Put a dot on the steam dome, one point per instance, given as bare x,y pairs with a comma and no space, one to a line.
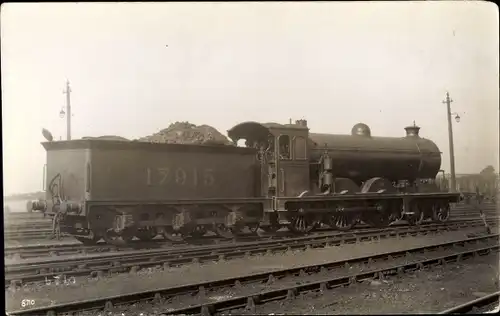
361,129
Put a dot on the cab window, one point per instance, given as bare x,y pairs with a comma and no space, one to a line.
284,147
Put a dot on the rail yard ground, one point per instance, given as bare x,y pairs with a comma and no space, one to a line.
150,279
425,291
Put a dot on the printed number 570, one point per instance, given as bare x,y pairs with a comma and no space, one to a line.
26,303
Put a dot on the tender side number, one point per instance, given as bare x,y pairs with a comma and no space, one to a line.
179,176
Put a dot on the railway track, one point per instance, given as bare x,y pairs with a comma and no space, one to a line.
487,303
93,266
76,248
34,226
245,293
49,250
29,225
28,234
23,216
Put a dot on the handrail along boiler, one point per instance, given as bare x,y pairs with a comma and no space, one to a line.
286,177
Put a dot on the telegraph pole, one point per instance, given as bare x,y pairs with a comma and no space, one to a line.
448,101
68,110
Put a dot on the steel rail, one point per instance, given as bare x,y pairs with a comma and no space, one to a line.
468,307
44,234
26,251
27,226
95,266
28,235
250,300
43,230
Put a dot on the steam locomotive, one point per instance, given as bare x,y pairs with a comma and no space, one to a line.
283,177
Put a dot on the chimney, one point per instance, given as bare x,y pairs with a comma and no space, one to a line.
412,131
302,123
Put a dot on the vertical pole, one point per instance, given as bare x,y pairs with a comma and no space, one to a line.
68,110
448,101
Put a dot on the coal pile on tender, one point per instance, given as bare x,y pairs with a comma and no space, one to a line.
187,133
108,137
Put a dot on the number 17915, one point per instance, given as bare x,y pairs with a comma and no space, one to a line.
179,176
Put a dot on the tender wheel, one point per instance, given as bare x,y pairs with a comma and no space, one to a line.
86,241
117,239
300,224
342,221
441,213
274,224
92,240
170,234
198,232
223,231
146,234
253,228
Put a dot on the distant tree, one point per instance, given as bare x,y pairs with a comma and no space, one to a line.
488,171
24,196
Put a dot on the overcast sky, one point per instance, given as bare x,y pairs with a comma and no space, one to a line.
334,64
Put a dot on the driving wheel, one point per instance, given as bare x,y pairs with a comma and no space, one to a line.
418,215
301,224
342,221
441,213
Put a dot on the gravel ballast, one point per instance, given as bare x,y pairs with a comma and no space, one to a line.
427,291
150,279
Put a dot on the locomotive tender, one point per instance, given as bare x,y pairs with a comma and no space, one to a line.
285,176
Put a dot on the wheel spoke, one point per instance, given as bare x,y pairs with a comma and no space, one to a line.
301,225
145,235
441,213
116,240
198,232
342,221
253,228
172,235
223,231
